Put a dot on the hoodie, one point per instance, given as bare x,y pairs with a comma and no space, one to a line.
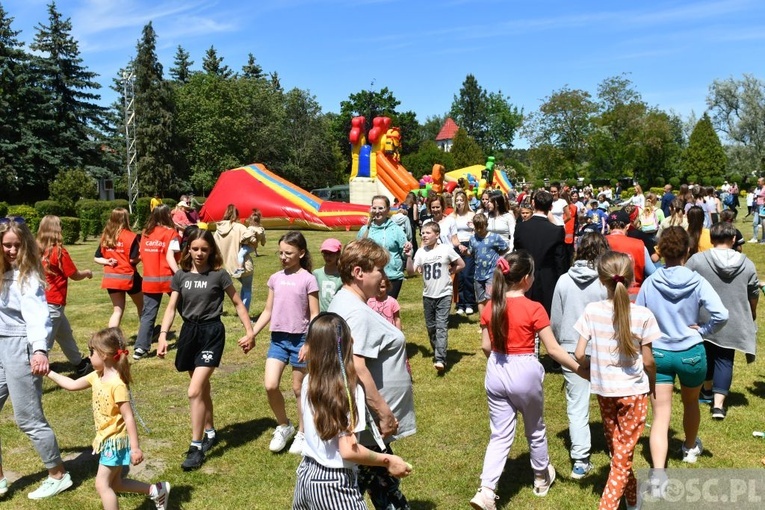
391,237
675,295
574,290
228,236
734,277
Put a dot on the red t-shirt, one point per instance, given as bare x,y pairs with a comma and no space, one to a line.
525,318
59,268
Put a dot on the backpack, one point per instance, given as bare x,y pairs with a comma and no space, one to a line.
728,199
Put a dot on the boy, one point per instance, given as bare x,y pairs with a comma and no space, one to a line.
486,248
328,277
437,263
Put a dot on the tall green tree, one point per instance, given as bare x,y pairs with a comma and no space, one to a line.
466,151
469,108
704,159
154,111
213,64
252,69
421,162
181,70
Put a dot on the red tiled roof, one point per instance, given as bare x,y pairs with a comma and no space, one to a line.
448,130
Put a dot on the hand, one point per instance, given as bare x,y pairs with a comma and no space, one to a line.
161,346
40,364
303,353
113,262
247,343
136,456
583,372
398,467
694,326
388,425
88,274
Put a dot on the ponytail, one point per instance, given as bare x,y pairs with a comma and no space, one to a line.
616,274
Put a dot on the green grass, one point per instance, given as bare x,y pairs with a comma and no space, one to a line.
447,451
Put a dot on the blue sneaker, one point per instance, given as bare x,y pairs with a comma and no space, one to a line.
581,469
706,396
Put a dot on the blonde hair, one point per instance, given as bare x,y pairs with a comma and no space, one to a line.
111,344
118,221
615,273
28,257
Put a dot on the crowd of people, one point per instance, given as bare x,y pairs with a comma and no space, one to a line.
625,298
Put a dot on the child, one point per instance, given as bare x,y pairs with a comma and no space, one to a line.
199,288
328,277
514,374
333,411
436,262
293,300
116,433
59,268
622,371
254,235
486,248
386,305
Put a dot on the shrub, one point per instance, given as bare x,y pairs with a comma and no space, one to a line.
141,212
94,213
675,182
71,185
3,209
70,229
28,213
53,207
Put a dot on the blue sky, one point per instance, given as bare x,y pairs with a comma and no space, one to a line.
422,49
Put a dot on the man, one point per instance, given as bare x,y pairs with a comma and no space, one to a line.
759,201
666,200
559,209
544,241
642,265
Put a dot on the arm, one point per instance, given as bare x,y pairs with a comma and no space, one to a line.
136,455
68,383
557,352
457,266
649,365
397,320
352,451
81,275
485,341
167,323
579,353
313,307
265,317
718,314
170,258
247,342
753,306
650,268
388,422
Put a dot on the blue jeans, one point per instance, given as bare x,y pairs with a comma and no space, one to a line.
466,296
151,303
578,410
436,322
246,292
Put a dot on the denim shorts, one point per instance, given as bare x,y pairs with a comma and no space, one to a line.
690,366
482,291
113,457
285,348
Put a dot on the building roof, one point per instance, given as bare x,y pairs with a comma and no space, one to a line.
448,130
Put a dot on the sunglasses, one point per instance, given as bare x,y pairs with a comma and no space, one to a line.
15,219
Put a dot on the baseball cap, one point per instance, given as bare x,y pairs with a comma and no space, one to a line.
620,216
331,245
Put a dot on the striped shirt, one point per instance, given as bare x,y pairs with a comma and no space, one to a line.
611,375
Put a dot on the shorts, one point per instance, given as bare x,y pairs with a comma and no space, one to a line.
114,457
200,344
134,289
482,291
285,348
689,365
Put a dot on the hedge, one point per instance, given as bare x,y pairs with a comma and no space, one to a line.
52,207
93,214
70,229
28,213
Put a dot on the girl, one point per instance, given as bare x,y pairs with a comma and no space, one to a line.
331,400
514,374
386,305
59,268
463,217
501,220
676,217
254,235
699,234
24,331
199,287
119,253
622,371
116,433
159,245
293,300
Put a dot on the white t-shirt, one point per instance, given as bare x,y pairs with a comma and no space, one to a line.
448,229
327,453
558,208
435,264
504,226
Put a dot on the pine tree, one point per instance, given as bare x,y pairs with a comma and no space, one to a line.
154,109
704,159
74,120
212,64
181,71
252,70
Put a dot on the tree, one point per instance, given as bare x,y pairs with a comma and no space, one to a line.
154,110
181,70
421,162
704,160
213,64
252,70
72,185
466,151
469,108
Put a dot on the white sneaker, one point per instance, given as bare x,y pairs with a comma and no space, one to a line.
3,486
162,494
460,311
282,435
51,487
484,500
469,310
690,455
753,240
297,445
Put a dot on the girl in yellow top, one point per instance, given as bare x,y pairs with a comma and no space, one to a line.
116,433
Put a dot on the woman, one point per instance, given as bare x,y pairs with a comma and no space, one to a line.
637,199
651,216
501,221
228,236
463,217
385,232
158,246
437,210
379,354
699,235
675,295
714,206
413,212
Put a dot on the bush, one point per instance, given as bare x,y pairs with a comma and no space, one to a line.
71,185
93,214
53,207
141,212
28,213
3,209
70,229
675,182
657,191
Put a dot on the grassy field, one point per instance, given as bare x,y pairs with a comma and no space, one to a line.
447,451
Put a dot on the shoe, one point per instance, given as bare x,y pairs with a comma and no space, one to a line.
440,366
753,240
194,459
542,487
238,272
718,413
706,396
581,469
483,500
51,487
297,444
460,311
163,495
208,442
3,486
282,435
637,505
84,368
140,353
690,455
469,310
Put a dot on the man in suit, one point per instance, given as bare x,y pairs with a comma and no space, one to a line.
545,242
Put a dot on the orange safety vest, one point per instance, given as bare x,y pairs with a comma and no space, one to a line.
636,251
119,277
568,227
156,271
